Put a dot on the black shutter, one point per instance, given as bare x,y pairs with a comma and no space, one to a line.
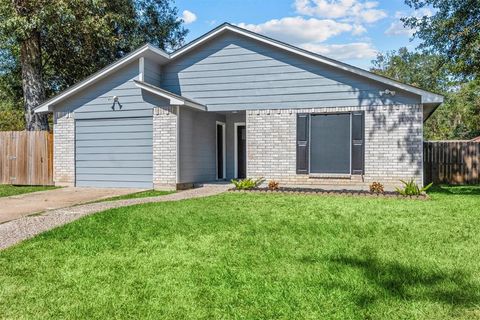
358,142
302,143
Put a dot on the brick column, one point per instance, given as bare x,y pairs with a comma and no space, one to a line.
64,149
165,148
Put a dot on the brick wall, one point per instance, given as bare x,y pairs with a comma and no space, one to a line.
393,145
64,149
164,148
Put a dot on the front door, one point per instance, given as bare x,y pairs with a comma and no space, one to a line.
241,152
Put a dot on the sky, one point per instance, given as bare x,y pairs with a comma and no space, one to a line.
352,31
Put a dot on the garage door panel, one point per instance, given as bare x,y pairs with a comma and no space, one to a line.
113,184
114,129
115,136
117,164
145,171
116,177
115,157
113,150
115,122
114,143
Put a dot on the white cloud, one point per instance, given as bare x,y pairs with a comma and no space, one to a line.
298,30
188,16
351,10
355,50
397,28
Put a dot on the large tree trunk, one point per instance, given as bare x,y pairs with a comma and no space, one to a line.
32,81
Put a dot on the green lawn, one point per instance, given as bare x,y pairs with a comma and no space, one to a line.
255,256
142,194
9,190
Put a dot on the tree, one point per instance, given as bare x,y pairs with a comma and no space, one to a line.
56,43
459,116
417,69
453,32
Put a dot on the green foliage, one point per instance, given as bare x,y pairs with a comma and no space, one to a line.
459,116
246,184
410,188
453,32
11,119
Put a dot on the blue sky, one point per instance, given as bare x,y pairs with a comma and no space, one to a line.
351,31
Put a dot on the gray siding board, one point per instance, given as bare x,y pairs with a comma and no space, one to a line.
152,73
119,149
235,73
198,145
113,184
127,144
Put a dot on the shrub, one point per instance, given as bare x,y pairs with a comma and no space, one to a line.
376,187
273,185
410,188
246,184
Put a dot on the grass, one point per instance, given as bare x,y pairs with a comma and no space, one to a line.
142,194
10,190
255,256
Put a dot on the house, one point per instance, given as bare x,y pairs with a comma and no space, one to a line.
235,104
476,139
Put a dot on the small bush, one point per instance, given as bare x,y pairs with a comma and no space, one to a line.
410,188
273,185
246,184
376,187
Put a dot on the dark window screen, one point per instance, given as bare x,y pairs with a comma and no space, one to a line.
330,143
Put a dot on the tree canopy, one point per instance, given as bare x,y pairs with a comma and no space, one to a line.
77,38
452,31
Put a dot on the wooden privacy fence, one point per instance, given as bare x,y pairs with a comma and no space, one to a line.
452,162
26,157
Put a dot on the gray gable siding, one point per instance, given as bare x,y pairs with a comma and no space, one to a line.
96,101
152,73
235,73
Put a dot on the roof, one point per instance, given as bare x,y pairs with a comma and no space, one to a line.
427,98
174,98
477,139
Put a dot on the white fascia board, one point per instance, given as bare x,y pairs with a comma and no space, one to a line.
45,107
427,97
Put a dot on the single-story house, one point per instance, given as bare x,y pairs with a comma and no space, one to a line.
234,104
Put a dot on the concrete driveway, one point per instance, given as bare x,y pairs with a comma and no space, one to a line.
15,207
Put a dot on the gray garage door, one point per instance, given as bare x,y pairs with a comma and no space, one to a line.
114,152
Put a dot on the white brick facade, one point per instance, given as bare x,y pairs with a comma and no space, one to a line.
393,145
64,149
164,148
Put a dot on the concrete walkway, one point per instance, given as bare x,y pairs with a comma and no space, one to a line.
26,227
18,206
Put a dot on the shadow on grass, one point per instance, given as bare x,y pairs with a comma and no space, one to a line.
464,190
394,280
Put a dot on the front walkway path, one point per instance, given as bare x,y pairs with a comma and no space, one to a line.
18,230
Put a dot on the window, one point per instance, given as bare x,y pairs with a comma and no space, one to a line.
330,143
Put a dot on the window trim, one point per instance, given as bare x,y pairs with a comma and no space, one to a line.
327,174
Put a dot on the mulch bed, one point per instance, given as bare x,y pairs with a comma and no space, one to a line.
353,193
